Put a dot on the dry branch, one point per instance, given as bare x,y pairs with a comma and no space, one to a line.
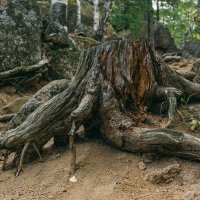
22,70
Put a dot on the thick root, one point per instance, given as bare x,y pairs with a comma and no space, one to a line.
166,142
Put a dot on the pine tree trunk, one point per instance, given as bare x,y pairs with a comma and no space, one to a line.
101,28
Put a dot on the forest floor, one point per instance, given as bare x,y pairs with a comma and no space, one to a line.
104,172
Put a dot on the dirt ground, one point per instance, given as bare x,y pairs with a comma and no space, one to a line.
104,172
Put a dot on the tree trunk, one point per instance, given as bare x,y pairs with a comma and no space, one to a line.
157,11
96,14
101,28
148,32
115,85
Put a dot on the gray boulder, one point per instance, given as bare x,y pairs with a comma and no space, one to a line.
164,42
20,31
196,70
192,48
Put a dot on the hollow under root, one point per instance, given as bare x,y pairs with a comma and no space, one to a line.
20,160
5,158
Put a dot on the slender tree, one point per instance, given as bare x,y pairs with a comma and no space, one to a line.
101,28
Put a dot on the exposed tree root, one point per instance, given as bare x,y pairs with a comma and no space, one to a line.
22,70
46,93
6,118
72,147
114,87
163,141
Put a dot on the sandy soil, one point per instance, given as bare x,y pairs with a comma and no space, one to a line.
104,173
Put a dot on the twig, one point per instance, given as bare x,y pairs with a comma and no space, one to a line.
23,69
72,147
20,166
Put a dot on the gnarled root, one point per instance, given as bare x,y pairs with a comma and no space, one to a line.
79,115
171,94
162,141
115,84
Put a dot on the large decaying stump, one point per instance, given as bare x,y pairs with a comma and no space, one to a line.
114,87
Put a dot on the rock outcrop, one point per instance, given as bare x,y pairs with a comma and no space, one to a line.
192,48
196,70
164,42
20,33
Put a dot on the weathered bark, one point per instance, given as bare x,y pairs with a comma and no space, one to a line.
111,93
42,96
187,74
96,14
148,29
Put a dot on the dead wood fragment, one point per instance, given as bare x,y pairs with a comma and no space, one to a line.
22,70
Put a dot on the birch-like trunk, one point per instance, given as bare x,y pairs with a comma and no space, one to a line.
78,13
101,28
96,14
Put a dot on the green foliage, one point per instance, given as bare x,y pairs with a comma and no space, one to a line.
178,16
127,14
72,1
194,124
185,99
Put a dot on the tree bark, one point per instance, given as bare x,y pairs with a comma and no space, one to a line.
101,28
148,29
114,87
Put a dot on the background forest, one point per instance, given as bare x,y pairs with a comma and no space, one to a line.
180,16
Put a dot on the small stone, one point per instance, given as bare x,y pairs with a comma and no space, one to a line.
190,195
165,175
73,179
50,196
142,166
58,155
64,190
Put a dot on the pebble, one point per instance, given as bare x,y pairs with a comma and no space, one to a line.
141,166
190,195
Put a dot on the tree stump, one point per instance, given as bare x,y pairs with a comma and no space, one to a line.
114,88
